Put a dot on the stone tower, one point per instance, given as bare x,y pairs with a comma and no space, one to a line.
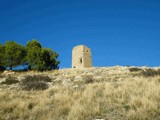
81,57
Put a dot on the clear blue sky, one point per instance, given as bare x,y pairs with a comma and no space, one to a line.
119,32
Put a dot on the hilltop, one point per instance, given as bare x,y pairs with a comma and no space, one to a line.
106,93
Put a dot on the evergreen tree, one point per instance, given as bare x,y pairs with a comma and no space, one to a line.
34,56
40,58
50,59
2,57
14,54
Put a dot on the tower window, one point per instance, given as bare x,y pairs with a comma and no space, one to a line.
80,60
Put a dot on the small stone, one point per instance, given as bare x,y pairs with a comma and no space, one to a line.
99,119
67,82
8,73
50,84
2,80
20,78
97,77
76,86
78,78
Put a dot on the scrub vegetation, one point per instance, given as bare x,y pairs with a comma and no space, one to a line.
115,93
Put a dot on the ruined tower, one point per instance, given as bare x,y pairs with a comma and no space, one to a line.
81,57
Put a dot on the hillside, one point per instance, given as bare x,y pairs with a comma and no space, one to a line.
100,93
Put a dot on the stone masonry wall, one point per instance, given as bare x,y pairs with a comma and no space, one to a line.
81,57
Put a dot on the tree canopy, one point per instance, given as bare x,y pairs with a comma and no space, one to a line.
40,58
14,54
2,55
33,54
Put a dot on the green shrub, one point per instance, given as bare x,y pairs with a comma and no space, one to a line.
158,71
1,76
88,79
39,85
10,80
37,78
145,72
134,69
35,82
151,72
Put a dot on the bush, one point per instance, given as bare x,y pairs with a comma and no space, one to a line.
134,69
145,72
151,72
1,76
35,82
40,85
37,78
158,71
10,80
88,79
2,68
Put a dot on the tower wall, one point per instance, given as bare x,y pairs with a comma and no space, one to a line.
81,57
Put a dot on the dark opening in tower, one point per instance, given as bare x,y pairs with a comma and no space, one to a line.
80,60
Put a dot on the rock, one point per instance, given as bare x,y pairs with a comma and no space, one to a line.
99,119
97,77
49,84
8,73
58,79
90,73
76,86
78,78
21,77
67,82
2,80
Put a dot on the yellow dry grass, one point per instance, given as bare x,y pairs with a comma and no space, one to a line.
133,98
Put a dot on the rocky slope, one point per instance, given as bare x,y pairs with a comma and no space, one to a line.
100,93
77,77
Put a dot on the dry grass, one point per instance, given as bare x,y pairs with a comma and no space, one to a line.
133,98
